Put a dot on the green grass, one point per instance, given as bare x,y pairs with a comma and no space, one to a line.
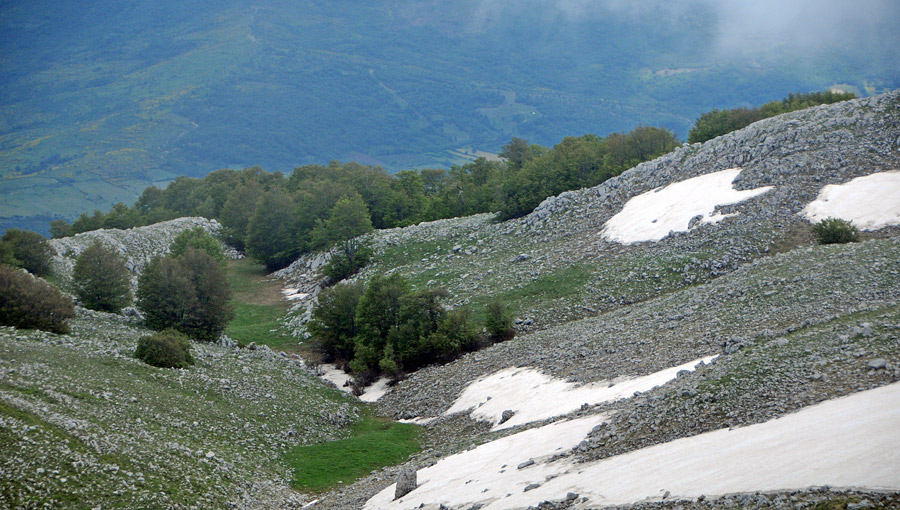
258,307
260,324
374,443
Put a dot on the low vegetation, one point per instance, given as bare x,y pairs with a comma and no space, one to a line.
199,239
165,349
386,327
347,260
258,307
26,249
835,231
374,443
27,302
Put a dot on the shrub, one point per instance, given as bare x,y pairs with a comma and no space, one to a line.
835,231
101,280
188,293
165,349
347,261
30,250
498,322
27,302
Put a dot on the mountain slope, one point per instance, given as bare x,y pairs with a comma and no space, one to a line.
793,323
555,265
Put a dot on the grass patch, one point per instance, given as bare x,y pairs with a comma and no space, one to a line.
374,443
258,307
563,284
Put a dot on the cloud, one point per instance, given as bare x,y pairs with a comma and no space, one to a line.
738,27
758,26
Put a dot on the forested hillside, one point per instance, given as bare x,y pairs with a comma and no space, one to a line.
101,99
276,218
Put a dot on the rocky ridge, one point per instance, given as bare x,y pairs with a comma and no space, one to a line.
136,245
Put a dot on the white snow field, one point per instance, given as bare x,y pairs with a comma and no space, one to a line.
652,215
870,202
534,396
853,441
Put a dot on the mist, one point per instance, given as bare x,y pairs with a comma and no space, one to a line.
740,28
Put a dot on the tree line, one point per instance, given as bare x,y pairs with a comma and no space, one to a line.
274,218
719,122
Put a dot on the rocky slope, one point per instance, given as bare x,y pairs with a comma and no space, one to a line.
83,424
795,323
560,245
136,245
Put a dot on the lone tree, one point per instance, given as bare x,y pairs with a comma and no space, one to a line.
188,293
29,249
101,280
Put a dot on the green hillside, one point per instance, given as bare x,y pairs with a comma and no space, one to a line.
100,100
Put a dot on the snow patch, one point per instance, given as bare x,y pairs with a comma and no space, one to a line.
292,294
490,471
335,375
651,216
341,379
870,202
375,391
853,441
534,396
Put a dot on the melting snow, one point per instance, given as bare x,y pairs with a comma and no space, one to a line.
853,441
869,202
535,396
340,378
292,294
652,215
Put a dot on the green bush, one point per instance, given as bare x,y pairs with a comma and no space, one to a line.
165,349
333,325
189,293
498,322
27,302
719,122
199,239
347,261
101,280
835,231
29,249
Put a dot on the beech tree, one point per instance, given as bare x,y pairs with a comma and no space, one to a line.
29,250
188,293
101,280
